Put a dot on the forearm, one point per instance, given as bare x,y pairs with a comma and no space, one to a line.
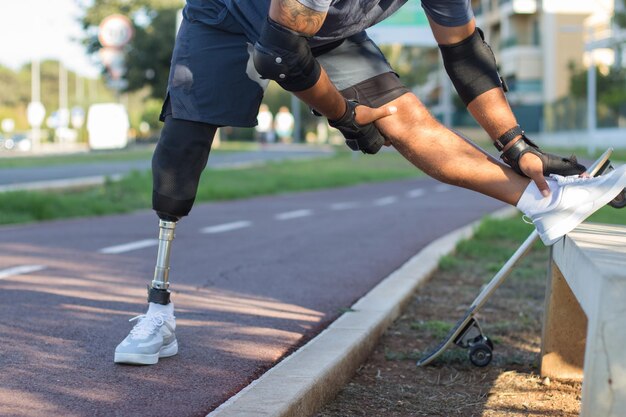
492,111
324,98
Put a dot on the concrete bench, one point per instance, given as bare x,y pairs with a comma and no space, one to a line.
584,330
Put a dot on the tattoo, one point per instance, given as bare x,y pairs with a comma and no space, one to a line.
298,17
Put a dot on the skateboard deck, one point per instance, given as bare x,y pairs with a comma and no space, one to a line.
467,332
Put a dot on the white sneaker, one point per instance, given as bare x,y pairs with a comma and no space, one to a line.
152,338
575,199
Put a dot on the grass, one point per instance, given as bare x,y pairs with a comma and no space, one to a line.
436,328
135,153
135,190
495,240
481,256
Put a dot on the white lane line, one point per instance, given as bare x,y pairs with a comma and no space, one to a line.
127,247
20,270
344,206
293,214
418,192
385,201
226,227
443,188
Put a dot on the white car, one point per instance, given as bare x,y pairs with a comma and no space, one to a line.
17,142
107,126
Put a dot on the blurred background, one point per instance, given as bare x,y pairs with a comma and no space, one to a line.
91,74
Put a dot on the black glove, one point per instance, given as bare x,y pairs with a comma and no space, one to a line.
552,164
364,138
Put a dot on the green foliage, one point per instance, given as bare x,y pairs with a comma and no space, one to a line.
609,215
436,328
448,263
148,54
134,191
16,91
112,197
611,92
412,63
619,15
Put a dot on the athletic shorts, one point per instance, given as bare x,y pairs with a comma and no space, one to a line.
213,80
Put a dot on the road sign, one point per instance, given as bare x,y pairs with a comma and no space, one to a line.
115,31
114,61
35,113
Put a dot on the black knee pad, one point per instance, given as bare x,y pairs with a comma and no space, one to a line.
471,66
179,158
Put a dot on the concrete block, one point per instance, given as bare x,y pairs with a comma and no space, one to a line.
591,262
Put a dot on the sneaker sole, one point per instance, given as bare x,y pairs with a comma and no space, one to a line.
146,359
555,233
169,350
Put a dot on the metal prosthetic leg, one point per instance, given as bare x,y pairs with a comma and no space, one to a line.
158,291
177,163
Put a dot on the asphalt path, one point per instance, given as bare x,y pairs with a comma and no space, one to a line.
252,281
12,176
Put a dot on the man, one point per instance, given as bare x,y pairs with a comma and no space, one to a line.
283,124
227,51
265,125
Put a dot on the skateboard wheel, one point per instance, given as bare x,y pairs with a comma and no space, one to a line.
480,354
619,201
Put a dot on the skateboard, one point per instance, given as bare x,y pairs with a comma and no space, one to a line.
467,332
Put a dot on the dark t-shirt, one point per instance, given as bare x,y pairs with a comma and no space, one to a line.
344,17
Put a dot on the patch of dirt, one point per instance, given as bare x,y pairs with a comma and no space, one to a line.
390,384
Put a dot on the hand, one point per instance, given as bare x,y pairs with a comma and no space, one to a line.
365,115
532,166
373,114
357,126
525,157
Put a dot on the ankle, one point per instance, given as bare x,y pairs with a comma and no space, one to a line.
532,201
155,308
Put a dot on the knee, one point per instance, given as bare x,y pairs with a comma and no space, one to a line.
411,121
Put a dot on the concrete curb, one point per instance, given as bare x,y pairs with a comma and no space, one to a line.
301,383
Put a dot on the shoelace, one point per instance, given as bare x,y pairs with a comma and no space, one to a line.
571,179
527,219
148,324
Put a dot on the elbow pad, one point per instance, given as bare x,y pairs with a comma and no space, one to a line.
471,66
285,56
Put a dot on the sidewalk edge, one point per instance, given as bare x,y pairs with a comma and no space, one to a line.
302,382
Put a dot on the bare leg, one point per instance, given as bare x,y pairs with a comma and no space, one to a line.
445,156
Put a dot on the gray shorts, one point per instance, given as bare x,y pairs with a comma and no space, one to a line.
213,80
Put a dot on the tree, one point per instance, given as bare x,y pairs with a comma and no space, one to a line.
611,92
148,54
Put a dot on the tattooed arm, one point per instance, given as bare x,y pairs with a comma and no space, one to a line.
292,14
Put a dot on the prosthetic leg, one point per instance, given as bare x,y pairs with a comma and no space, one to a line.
178,161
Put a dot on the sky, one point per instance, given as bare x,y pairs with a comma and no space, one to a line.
44,28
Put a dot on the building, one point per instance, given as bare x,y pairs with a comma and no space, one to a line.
537,43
